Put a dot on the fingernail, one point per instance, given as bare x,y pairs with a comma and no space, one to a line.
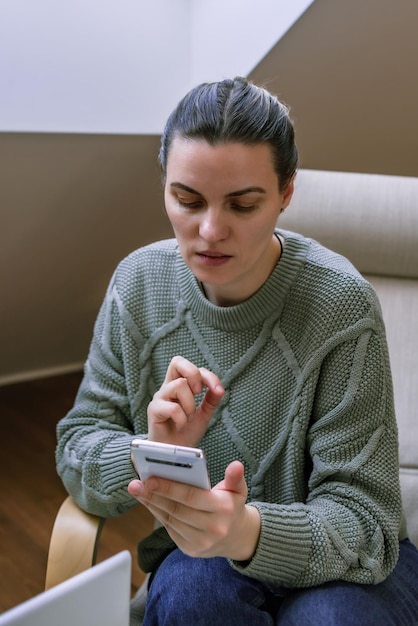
137,489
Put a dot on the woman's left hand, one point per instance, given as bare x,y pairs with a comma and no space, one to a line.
204,523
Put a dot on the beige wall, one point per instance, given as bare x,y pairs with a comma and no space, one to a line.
71,206
348,68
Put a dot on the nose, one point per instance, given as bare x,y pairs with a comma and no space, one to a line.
213,225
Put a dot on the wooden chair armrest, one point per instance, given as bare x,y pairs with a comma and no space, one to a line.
73,545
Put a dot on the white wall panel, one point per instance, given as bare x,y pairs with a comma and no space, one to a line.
120,66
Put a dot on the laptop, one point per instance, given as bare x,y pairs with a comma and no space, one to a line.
99,596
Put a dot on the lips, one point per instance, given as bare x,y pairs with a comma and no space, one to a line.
212,257
212,253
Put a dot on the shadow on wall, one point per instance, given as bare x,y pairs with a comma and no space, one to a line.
72,206
345,69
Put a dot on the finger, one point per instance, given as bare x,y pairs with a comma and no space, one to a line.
174,399
182,368
186,526
157,504
136,488
213,395
211,381
234,479
210,402
188,538
171,513
188,496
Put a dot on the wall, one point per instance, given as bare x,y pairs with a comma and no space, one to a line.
100,66
94,66
71,206
348,70
228,37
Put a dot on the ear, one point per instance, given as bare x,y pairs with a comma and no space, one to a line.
288,192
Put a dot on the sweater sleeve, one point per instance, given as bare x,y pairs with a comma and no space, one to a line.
93,449
347,528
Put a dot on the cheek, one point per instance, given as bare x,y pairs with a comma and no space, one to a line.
181,224
258,233
172,213
256,239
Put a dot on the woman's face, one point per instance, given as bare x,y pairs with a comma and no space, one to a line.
223,202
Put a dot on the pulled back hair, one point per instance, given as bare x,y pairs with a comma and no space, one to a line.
234,111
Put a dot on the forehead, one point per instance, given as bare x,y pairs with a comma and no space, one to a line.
196,158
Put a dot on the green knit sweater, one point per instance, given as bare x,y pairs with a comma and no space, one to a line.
308,407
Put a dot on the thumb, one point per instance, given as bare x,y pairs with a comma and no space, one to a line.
234,479
212,397
209,403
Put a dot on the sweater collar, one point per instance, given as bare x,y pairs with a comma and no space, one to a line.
266,301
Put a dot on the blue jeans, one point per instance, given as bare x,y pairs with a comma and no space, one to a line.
186,590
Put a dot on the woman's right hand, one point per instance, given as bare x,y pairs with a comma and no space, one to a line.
173,416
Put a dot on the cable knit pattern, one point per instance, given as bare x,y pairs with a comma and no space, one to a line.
308,407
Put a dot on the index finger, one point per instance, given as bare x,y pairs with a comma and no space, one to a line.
158,489
197,377
182,368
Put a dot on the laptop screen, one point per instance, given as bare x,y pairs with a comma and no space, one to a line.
99,596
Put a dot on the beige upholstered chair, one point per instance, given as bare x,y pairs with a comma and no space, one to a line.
372,220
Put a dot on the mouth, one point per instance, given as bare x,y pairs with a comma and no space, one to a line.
213,258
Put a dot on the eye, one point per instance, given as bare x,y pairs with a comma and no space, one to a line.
243,208
189,202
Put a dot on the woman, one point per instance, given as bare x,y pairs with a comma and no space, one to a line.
268,351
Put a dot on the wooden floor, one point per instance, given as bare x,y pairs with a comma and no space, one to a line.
31,492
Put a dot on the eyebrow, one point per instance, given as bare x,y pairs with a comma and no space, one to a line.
233,194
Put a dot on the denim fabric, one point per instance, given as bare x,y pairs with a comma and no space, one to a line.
186,590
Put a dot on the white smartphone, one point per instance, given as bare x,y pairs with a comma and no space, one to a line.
178,463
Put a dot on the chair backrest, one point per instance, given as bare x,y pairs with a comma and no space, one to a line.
99,596
373,220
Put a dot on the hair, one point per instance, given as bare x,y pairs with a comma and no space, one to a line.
234,111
